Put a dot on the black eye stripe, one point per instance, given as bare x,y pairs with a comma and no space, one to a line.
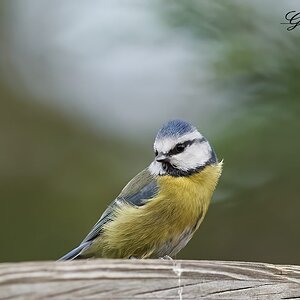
185,144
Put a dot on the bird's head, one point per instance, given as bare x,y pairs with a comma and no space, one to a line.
181,150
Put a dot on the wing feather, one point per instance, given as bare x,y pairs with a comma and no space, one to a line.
142,188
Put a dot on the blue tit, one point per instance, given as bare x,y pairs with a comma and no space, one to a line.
158,211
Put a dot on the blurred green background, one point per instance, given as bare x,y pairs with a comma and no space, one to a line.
85,85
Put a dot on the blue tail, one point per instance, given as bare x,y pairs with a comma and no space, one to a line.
74,253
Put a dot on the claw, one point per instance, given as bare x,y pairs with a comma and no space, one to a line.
166,257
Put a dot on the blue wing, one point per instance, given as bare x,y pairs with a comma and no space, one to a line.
142,188
137,192
75,252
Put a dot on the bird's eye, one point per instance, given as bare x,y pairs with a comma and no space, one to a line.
156,152
179,148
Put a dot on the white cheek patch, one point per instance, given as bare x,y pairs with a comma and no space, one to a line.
166,144
192,157
195,155
155,168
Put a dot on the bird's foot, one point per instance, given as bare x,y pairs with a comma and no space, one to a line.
166,257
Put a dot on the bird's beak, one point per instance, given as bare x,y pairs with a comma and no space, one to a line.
162,158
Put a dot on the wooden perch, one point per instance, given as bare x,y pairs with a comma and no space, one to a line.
148,279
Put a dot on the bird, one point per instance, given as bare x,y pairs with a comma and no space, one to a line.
159,210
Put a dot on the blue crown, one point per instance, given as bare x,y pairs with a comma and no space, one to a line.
175,128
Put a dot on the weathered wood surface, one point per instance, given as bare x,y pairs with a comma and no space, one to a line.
148,279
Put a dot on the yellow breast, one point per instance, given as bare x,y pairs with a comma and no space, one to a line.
181,204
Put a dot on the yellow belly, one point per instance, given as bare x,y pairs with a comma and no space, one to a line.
159,226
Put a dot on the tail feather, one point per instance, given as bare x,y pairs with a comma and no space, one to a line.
74,253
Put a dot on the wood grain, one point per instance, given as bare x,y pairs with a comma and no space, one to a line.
148,279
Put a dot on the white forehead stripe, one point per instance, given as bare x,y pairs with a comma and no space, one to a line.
168,143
